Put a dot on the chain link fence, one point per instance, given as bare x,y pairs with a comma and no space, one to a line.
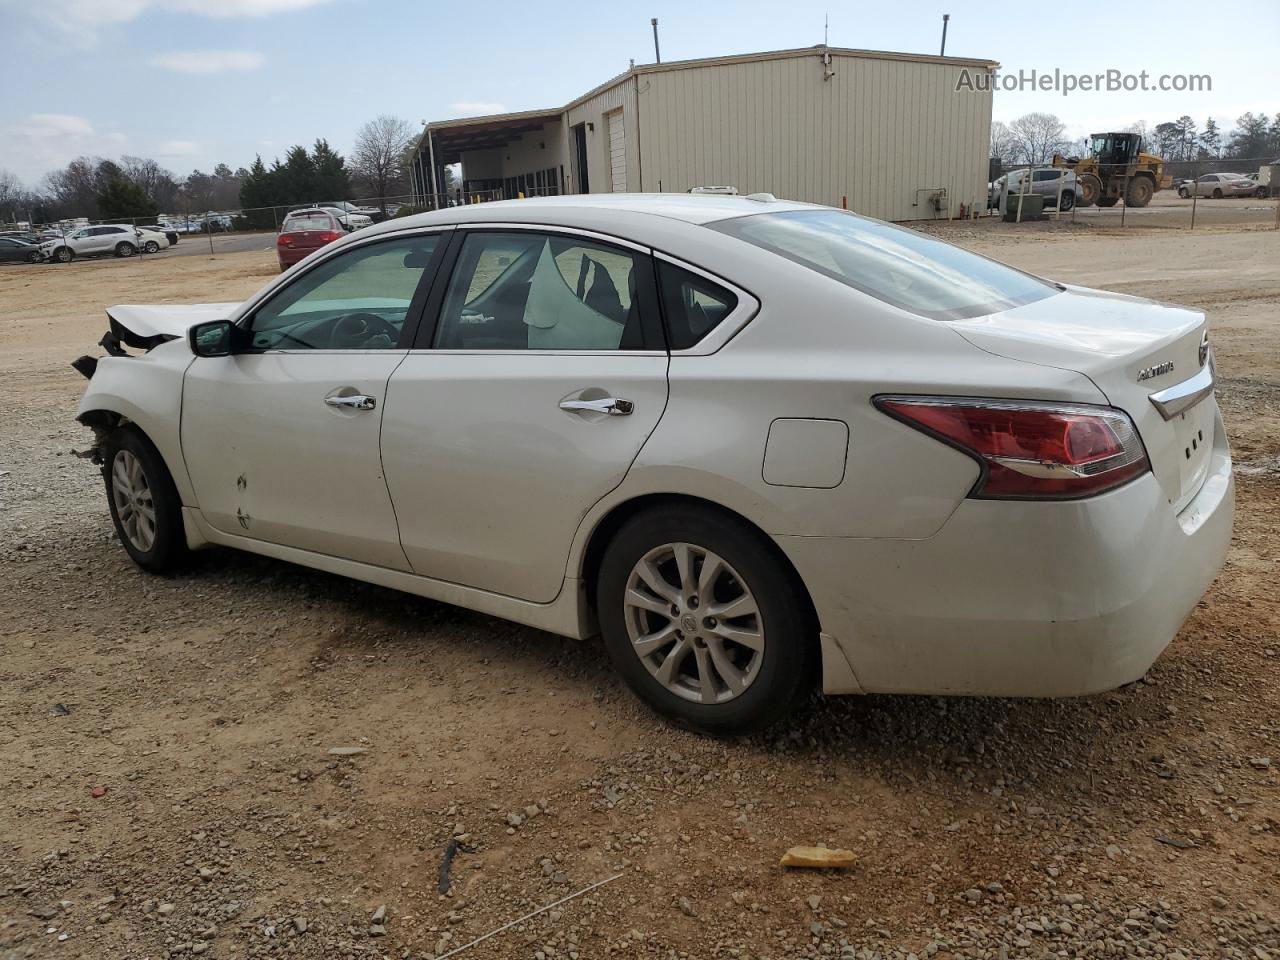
1184,196
1179,196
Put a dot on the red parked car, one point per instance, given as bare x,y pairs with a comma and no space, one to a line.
304,232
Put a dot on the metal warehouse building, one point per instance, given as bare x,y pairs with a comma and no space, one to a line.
887,134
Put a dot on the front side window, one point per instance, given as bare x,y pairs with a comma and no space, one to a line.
902,267
534,291
358,300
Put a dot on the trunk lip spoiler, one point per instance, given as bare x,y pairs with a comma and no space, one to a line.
1181,397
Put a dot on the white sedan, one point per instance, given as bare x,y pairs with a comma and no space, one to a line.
760,447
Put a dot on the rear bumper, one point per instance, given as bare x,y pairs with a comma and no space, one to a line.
290,255
1011,598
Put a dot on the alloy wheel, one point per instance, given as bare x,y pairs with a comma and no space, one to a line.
694,623
131,495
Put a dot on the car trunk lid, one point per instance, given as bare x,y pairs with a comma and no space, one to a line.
1132,349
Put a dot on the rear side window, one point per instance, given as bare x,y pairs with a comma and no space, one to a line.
901,267
692,305
307,221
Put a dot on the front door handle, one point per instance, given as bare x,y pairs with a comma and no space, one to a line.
613,406
357,402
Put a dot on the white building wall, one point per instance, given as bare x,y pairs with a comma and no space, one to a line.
882,133
592,110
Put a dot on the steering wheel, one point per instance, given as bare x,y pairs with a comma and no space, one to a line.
357,329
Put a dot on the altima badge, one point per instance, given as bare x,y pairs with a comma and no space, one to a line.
1159,370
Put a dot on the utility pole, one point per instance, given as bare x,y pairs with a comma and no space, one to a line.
657,55
945,18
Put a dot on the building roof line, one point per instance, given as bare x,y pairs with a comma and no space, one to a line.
672,65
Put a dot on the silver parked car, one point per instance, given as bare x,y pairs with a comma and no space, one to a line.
1045,181
1218,185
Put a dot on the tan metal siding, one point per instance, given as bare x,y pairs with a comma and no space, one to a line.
599,173
882,133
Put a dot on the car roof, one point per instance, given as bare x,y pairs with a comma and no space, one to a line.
686,207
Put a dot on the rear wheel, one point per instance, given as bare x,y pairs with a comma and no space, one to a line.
1139,192
704,621
125,249
1068,200
145,506
1217,193
1262,193
33,256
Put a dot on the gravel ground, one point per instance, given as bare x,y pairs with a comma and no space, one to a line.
256,760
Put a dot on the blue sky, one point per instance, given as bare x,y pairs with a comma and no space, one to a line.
195,82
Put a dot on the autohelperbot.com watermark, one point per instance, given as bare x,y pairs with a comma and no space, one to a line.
1066,83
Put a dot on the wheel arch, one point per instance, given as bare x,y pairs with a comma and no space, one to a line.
608,525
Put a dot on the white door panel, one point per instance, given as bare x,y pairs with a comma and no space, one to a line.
490,477
270,459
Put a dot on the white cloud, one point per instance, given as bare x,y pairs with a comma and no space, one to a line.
178,148
208,61
80,20
46,141
473,108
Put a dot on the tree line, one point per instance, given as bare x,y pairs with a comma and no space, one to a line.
132,187
1035,137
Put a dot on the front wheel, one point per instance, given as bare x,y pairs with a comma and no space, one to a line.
125,249
1184,193
62,255
145,506
151,247
705,621
1068,201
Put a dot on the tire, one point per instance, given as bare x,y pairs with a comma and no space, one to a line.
136,477
33,257
769,681
1262,193
125,249
1184,193
151,247
1090,189
1108,201
62,255
1217,193
1138,192
1068,201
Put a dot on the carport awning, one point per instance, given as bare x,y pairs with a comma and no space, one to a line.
454,137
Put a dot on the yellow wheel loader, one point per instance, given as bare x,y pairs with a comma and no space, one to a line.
1117,169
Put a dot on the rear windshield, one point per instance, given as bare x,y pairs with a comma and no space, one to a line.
902,267
308,221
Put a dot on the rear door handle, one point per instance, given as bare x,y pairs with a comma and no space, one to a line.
357,402
613,406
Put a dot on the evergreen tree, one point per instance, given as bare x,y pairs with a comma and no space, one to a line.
1211,138
332,180
122,199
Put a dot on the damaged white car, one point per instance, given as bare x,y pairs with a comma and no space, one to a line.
760,447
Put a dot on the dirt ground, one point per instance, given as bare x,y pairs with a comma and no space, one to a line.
167,787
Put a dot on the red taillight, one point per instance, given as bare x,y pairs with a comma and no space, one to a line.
328,236
284,240
1031,450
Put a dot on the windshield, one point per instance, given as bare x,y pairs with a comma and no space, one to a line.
899,266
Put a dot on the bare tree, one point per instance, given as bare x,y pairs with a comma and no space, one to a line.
380,154
1038,136
1003,145
10,187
